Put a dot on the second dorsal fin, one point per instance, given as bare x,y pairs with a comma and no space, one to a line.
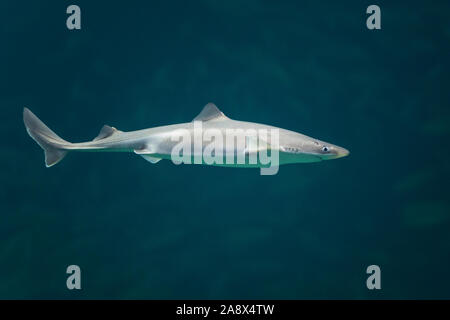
106,132
210,112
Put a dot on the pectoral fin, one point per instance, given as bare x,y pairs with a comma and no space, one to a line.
148,154
146,150
150,158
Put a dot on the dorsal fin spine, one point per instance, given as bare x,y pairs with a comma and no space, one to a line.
105,132
210,112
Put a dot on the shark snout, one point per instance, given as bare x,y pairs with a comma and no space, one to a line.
341,152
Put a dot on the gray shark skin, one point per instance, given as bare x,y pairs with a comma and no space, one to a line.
157,143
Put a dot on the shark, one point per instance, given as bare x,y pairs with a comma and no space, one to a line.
157,143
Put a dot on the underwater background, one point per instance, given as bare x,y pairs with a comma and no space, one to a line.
144,231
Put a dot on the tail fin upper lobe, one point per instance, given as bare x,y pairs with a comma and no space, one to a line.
52,144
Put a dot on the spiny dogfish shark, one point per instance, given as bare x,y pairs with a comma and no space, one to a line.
158,143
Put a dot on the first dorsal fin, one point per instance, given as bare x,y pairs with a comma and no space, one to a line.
210,112
106,132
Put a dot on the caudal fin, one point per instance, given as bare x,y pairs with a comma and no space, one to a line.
48,140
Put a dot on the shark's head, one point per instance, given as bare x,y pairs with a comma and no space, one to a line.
295,147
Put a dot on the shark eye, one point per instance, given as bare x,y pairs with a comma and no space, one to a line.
325,149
